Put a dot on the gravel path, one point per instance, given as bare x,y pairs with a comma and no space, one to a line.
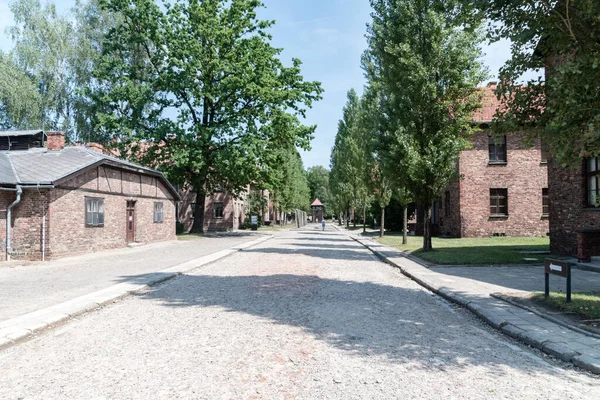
310,315
36,285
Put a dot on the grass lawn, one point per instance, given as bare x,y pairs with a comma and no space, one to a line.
586,305
494,250
190,236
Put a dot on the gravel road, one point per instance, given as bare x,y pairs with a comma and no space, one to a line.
308,315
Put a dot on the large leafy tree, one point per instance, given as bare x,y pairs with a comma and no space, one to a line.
428,61
198,85
52,60
562,36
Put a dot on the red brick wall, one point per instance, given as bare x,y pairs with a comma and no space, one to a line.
234,213
568,210
27,217
69,234
524,175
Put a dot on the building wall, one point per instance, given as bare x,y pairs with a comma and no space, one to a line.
524,176
568,210
27,223
64,207
234,212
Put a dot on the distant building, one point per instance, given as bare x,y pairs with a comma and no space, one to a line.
502,185
65,200
223,212
317,211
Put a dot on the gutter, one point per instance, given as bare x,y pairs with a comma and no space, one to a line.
9,219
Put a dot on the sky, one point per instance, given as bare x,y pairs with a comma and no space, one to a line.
329,37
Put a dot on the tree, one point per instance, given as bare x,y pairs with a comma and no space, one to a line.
347,157
562,36
52,61
318,182
201,90
428,63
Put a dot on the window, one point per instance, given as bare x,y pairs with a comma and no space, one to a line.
447,204
592,175
545,202
219,210
94,211
499,202
497,147
544,151
193,209
158,212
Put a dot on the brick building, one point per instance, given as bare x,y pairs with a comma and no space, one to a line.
66,200
223,212
502,185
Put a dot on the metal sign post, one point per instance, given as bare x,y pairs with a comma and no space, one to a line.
559,268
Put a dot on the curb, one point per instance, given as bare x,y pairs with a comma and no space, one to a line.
541,342
20,328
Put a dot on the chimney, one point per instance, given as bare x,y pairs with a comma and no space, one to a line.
55,141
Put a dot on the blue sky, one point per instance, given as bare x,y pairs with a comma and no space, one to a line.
328,36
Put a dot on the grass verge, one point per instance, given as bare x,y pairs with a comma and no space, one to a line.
190,236
586,305
472,251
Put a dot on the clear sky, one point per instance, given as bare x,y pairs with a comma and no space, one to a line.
328,36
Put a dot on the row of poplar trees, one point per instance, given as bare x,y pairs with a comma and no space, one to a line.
402,137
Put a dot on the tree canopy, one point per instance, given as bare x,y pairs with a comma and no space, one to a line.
318,183
199,84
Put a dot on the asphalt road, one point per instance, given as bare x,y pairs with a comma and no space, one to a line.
308,314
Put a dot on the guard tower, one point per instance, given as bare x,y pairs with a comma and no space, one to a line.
317,211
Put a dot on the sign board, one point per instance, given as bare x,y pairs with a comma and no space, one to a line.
254,220
556,267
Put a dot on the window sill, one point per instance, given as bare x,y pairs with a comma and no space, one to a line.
497,162
545,216
544,163
94,226
589,208
499,216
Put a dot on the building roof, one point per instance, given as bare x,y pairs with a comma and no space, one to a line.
40,166
20,133
489,104
316,203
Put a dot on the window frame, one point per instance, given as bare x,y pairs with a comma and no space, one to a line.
99,220
496,195
545,202
595,174
219,205
493,145
159,216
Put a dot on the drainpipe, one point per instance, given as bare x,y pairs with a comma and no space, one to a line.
9,218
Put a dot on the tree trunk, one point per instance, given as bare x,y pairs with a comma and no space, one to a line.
353,217
427,230
405,224
340,221
382,223
198,225
364,219
348,217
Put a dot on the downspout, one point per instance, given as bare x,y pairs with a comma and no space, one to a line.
9,218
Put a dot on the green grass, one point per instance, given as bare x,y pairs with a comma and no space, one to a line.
494,250
190,236
586,305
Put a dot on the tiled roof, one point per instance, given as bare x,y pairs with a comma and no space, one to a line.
489,104
42,167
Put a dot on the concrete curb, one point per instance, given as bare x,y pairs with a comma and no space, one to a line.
21,328
497,319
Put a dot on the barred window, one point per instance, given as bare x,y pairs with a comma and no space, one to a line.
498,202
592,178
497,147
158,212
94,211
219,210
545,202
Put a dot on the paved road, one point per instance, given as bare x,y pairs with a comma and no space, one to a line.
37,285
308,314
